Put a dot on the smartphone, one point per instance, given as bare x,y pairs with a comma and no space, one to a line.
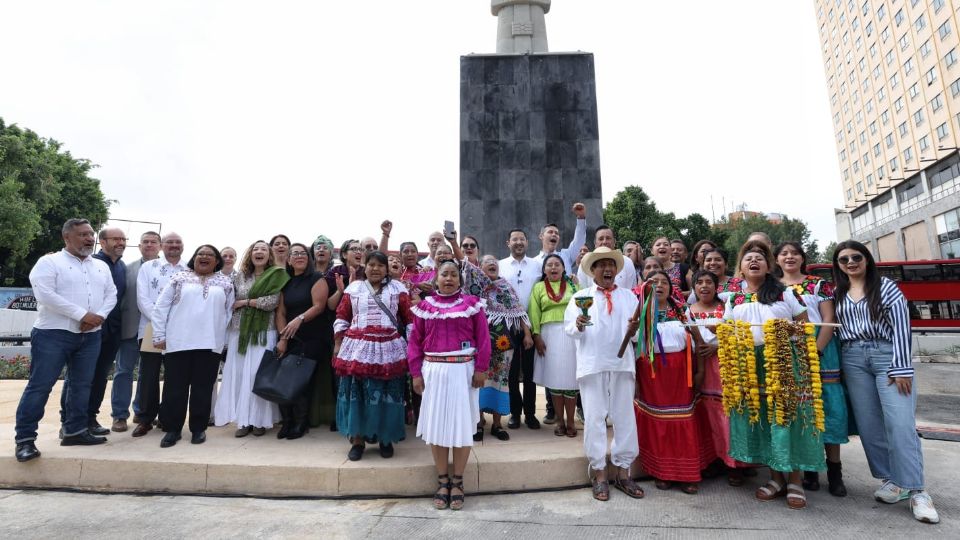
447,228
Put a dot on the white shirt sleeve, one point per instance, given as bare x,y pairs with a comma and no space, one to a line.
43,279
161,312
570,320
143,290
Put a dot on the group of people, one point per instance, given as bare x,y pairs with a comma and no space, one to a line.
443,341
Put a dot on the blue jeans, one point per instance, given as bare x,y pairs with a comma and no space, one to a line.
50,350
127,359
885,417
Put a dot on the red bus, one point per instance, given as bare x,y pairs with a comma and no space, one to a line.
932,289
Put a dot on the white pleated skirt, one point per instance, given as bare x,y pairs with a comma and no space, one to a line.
236,401
450,408
557,369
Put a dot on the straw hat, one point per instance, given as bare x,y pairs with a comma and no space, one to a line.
598,254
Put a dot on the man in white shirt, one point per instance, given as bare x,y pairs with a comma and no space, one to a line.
152,278
626,277
523,273
550,240
434,241
129,354
75,293
607,382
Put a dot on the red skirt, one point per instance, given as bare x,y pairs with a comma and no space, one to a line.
668,427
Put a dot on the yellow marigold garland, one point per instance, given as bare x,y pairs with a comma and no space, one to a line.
738,369
816,385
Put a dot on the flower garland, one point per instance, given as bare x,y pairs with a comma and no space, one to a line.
813,354
738,369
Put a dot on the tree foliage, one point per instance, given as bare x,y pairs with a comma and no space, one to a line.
634,216
40,188
788,229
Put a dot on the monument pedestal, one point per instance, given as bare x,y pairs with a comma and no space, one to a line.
529,146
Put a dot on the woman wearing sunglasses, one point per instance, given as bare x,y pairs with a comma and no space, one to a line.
877,367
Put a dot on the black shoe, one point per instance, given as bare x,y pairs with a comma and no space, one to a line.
169,439
386,451
199,437
499,433
356,452
835,479
811,481
137,419
96,429
61,434
26,451
333,426
284,430
371,440
478,436
550,418
514,422
533,423
82,439
298,430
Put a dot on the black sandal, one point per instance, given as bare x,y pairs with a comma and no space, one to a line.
601,489
500,433
628,486
811,481
442,500
456,501
478,436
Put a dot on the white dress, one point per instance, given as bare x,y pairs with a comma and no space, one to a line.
236,401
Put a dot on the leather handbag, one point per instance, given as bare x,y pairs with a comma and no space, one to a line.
282,380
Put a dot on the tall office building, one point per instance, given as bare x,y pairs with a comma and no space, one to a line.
893,78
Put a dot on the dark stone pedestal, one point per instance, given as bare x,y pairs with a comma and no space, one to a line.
529,146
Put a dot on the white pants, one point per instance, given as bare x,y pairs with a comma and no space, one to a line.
609,393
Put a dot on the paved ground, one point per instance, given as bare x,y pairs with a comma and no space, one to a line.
718,511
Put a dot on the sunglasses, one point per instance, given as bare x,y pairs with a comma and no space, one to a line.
853,258
468,245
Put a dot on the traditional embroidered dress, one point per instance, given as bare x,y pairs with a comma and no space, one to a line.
782,448
671,446
557,369
814,290
372,362
713,422
449,340
236,401
505,315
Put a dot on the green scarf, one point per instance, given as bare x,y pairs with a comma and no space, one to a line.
254,322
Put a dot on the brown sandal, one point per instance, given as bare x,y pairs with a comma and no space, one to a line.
560,430
690,489
601,489
628,486
571,431
772,490
796,498
735,478
662,484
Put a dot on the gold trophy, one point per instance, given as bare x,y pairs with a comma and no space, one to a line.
584,303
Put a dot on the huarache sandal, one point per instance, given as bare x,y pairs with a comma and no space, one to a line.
560,430
770,491
442,500
796,499
601,489
456,501
662,484
571,431
628,486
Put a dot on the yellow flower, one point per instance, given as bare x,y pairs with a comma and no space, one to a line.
503,343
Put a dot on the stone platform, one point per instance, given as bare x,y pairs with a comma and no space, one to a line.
314,466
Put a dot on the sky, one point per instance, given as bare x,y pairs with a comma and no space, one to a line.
231,121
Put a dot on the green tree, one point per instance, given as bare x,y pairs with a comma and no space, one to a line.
826,256
788,229
42,186
634,216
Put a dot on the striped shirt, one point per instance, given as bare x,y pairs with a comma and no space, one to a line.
893,325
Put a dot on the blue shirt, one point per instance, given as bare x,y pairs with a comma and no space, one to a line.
118,270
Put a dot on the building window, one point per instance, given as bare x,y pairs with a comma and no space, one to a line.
865,85
924,143
936,103
873,127
876,72
924,50
944,30
898,17
942,131
910,193
907,155
914,91
869,180
931,76
908,66
849,194
872,49
918,117
898,104
881,93
937,6
945,181
884,117
862,64
852,77
859,187
863,137
948,233
856,166
858,117
876,150
853,147
889,57
880,173
904,42
894,80
843,155
920,23
950,58
889,140
903,129
893,164
955,88
885,34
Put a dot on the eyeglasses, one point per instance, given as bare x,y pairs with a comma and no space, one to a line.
124,238
205,254
355,249
854,258
467,245
298,253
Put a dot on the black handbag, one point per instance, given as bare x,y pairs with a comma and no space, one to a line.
283,380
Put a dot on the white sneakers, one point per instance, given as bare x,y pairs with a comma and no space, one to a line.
922,506
920,502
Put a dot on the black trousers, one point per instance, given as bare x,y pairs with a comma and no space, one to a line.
109,345
527,401
298,411
148,386
188,378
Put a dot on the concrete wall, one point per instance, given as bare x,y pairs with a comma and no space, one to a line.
15,322
529,146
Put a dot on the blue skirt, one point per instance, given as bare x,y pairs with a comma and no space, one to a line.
834,397
371,408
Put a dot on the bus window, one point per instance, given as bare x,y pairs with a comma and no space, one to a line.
822,273
892,272
921,272
951,272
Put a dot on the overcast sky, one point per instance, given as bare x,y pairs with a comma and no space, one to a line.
231,121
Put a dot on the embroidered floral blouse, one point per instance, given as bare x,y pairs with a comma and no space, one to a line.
241,286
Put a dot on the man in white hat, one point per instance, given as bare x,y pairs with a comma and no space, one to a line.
627,273
606,382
